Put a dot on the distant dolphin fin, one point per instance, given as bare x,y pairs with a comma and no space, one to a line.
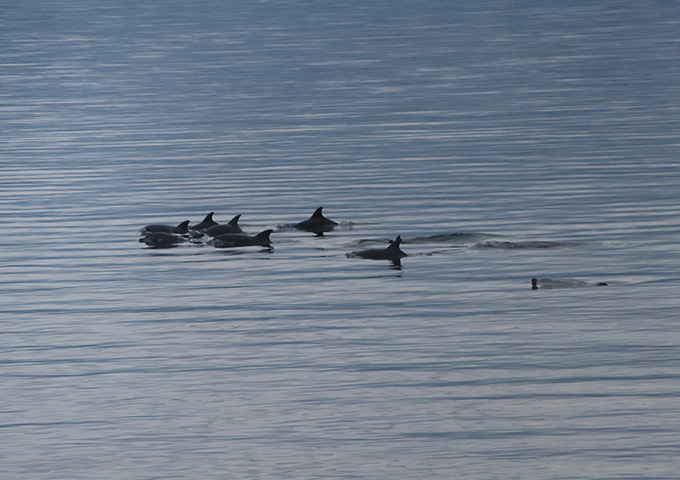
234,221
209,217
317,213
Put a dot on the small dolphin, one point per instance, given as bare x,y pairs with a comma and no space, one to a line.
229,240
562,283
161,240
181,229
231,227
393,252
205,224
317,223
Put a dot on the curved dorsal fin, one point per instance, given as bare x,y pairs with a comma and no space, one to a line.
184,225
317,212
234,221
208,218
264,235
395,244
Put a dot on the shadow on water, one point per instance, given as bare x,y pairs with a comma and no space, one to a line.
457,239
461,238
529,245
554,283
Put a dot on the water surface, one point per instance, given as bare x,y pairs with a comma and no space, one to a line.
501,141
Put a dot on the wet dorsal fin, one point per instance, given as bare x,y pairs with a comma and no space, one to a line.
184,226
264,235
208,218
234,221
395,244
317,213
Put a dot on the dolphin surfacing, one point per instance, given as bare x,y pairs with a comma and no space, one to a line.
181,229
392,252
206,223
317,223
230,240
231,227
161,239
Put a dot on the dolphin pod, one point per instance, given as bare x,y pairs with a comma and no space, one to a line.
225,235
230,235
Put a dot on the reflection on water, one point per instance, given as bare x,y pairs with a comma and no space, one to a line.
502,143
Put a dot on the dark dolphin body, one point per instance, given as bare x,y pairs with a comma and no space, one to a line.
181,229
562,283
229,240
161,239
205,224
317,223
231,227
393,252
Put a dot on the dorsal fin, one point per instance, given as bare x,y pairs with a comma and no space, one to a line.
208,218
184,226
264,235
395,244
317,213
234,221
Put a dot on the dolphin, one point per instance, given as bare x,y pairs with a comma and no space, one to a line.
228,240
393,252
205,224
161,239
231,227
317,223
181,229
562,283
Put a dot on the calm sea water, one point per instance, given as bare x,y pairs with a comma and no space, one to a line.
501,140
